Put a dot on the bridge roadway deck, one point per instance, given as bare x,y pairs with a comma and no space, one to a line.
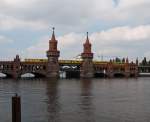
78,62
39,66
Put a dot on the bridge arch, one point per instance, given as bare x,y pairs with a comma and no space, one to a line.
132,75
72,74
100,75
70,71
119,75
32,75
39,75
27,75
2,75
5,75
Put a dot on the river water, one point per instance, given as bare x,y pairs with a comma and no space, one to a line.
77,100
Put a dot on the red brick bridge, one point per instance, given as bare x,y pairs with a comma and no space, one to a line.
52,66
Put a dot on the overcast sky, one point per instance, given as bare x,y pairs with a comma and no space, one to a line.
116,27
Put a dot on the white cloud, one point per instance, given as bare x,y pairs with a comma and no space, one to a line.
131,3
65,13
71,15
121,34
8,23
19,2
70,39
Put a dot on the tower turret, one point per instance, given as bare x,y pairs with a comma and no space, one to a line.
16,67
137,61
87,64
53,42
87,53
53,55
127,68
127,60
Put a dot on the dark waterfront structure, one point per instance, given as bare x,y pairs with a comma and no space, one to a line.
16,108
51,67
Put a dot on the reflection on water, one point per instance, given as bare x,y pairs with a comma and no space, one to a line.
87,108
53,105
73,100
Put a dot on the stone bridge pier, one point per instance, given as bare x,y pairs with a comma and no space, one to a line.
110,70
16,67
87,67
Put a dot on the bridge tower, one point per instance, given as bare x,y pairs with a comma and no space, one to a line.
136,68
53,55
87,68
127,68
16,67
110,69
137,61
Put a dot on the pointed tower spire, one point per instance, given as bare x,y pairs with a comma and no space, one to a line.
87,39
53,35
87,45
137,61
53,42
127,60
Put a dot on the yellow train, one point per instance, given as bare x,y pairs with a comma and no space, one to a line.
65,61
35,60
60,61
